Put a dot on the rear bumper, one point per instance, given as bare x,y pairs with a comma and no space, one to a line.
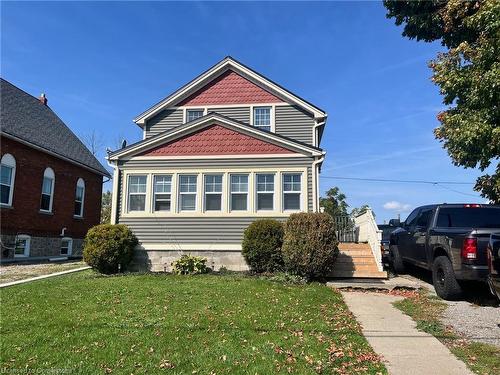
470,272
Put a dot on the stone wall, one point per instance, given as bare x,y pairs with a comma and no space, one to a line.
39,247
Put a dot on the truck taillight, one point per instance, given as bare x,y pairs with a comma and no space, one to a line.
469,249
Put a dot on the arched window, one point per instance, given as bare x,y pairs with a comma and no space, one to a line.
8,175
79,197
47,199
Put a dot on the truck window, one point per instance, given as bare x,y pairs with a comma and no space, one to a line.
424,217
410,220
463,217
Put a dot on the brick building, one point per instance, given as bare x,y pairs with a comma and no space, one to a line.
51,184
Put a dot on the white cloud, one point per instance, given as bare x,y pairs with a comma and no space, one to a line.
397,206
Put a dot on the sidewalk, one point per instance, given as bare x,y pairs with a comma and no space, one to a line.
393,335
43,277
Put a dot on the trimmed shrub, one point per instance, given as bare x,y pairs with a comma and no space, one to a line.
189,265
310,246
261,246
109,248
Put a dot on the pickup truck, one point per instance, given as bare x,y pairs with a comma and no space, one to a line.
448,239
494,264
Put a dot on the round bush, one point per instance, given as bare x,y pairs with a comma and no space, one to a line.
310,246
109,248
261,246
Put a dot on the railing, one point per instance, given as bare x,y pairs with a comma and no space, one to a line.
368,232
345,228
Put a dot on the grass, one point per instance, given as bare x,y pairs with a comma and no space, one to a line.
17,272
209,324
426,310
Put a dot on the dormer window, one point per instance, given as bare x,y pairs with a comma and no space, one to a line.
262,118
193,114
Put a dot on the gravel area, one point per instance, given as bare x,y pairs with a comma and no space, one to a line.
477,323
15,272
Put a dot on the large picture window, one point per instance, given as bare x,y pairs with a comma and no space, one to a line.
291,191
162,193
137,193
47,198
8,174
79,197
187,192
262,118
239,192
213,192
265,192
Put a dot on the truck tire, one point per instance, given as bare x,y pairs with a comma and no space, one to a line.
444,280
396,260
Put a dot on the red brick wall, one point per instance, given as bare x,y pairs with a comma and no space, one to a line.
25,216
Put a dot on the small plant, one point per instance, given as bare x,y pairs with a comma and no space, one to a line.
261,246
189,265
109,248
310,246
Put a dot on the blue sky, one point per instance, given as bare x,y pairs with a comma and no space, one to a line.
101,64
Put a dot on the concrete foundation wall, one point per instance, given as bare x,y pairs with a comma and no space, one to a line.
161,260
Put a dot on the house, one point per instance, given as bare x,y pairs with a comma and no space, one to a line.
229,147
51,184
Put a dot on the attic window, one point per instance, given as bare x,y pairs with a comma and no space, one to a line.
262,118
193,114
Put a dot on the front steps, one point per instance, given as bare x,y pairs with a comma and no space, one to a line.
356,261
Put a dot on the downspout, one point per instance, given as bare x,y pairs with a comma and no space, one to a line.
316,163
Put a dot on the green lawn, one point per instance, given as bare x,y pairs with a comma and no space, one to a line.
210,324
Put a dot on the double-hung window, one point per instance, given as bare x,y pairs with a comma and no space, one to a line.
291,191
137,193
79,197
265,192
239,192
193,114
47,190
262,118
22,248
213,192
66,246
187,192
8,173
162,193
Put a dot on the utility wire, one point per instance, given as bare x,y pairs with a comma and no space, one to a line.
399,181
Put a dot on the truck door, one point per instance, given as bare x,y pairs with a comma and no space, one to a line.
419,239
405,237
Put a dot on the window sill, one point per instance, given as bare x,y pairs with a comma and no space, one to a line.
7,206
78,217
45,212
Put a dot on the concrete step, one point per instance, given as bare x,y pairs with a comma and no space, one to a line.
359,274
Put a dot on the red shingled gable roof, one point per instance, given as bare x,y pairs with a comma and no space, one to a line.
216,140
230,88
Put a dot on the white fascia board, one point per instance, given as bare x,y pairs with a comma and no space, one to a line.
142,146
213,73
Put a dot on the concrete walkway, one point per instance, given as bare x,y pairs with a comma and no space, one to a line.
43,277
393,335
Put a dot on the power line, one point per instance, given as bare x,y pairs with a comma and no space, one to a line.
398,181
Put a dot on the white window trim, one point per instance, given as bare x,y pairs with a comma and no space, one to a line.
23,237
196,108
265,192
230,195
53,177
153,194
80,183
70,246
300,192
146,195
272,116
8,160
180,193
221,193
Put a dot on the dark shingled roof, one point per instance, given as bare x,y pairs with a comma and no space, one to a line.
24,117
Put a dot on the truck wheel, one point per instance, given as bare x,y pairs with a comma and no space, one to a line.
397,261
444,280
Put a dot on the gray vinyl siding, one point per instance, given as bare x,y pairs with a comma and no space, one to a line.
293,122
165,120
238,113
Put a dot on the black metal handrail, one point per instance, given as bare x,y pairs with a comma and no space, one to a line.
345,228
